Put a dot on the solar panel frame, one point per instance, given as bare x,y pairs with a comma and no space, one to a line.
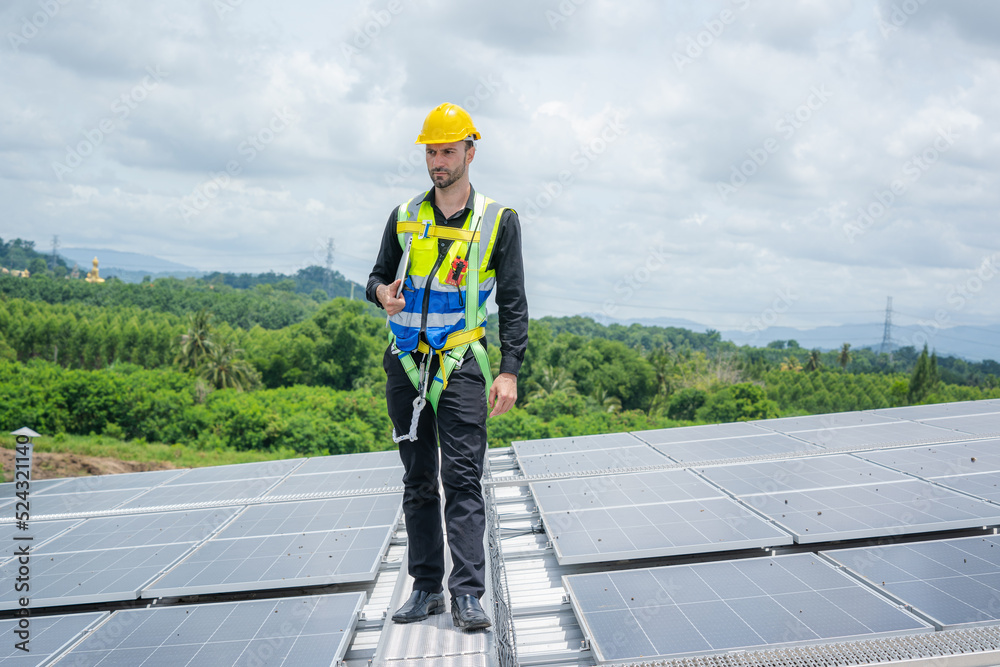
315,516
50,636
724,606
303,631
942,579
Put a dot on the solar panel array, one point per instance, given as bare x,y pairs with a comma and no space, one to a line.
775,483
125,555
49,636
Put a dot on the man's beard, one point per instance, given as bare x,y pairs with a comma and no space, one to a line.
450,177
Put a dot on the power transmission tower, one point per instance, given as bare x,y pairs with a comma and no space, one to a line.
886,345
329,265
55,252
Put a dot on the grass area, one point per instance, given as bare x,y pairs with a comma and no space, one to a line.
180,456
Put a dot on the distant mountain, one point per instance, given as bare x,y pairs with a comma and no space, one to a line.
972,343
128,261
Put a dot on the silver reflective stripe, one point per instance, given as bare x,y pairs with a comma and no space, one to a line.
486,232
413,206
417,281
439,320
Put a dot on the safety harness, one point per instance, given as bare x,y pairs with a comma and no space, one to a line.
453,351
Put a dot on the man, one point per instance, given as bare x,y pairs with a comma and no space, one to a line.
442,253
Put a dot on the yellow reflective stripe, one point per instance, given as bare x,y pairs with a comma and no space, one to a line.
456,339
437,231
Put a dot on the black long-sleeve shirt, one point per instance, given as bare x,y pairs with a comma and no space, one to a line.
512,303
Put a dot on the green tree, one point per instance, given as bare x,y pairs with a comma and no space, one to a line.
924,378
196,345
685,403
224,369
738,402
549,380
844,357
814,363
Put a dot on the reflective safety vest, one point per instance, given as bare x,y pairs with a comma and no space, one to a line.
450,320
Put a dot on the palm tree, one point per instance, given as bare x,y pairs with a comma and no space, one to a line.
552,379
223,369
844,357
791,364
196,345
814,363
606,401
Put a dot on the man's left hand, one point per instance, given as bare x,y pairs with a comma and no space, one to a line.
503,393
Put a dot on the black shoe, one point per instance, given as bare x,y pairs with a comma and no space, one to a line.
467,613
419,606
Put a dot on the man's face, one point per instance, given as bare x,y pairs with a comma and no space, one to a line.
446,163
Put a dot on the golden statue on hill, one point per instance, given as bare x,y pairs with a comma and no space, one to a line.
93,276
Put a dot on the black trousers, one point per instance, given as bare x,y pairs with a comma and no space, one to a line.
460,424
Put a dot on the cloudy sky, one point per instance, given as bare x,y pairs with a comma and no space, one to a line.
792,162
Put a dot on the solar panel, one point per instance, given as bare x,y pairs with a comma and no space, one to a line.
309,631
39,531
386,459
276,561
768,444
972,424
664,529
918,412
49,636
288,544
592,460
940,460
663,436
365,479
955,582
182,494
873,510
631,489
7,489
256,470
83,577
129,480
644,515
82,501
679,610
315,515
574,444
878,434
816,472
134,530
984,485
822,422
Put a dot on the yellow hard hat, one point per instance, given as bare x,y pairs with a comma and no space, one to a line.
445,124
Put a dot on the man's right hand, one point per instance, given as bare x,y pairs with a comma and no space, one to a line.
386,294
